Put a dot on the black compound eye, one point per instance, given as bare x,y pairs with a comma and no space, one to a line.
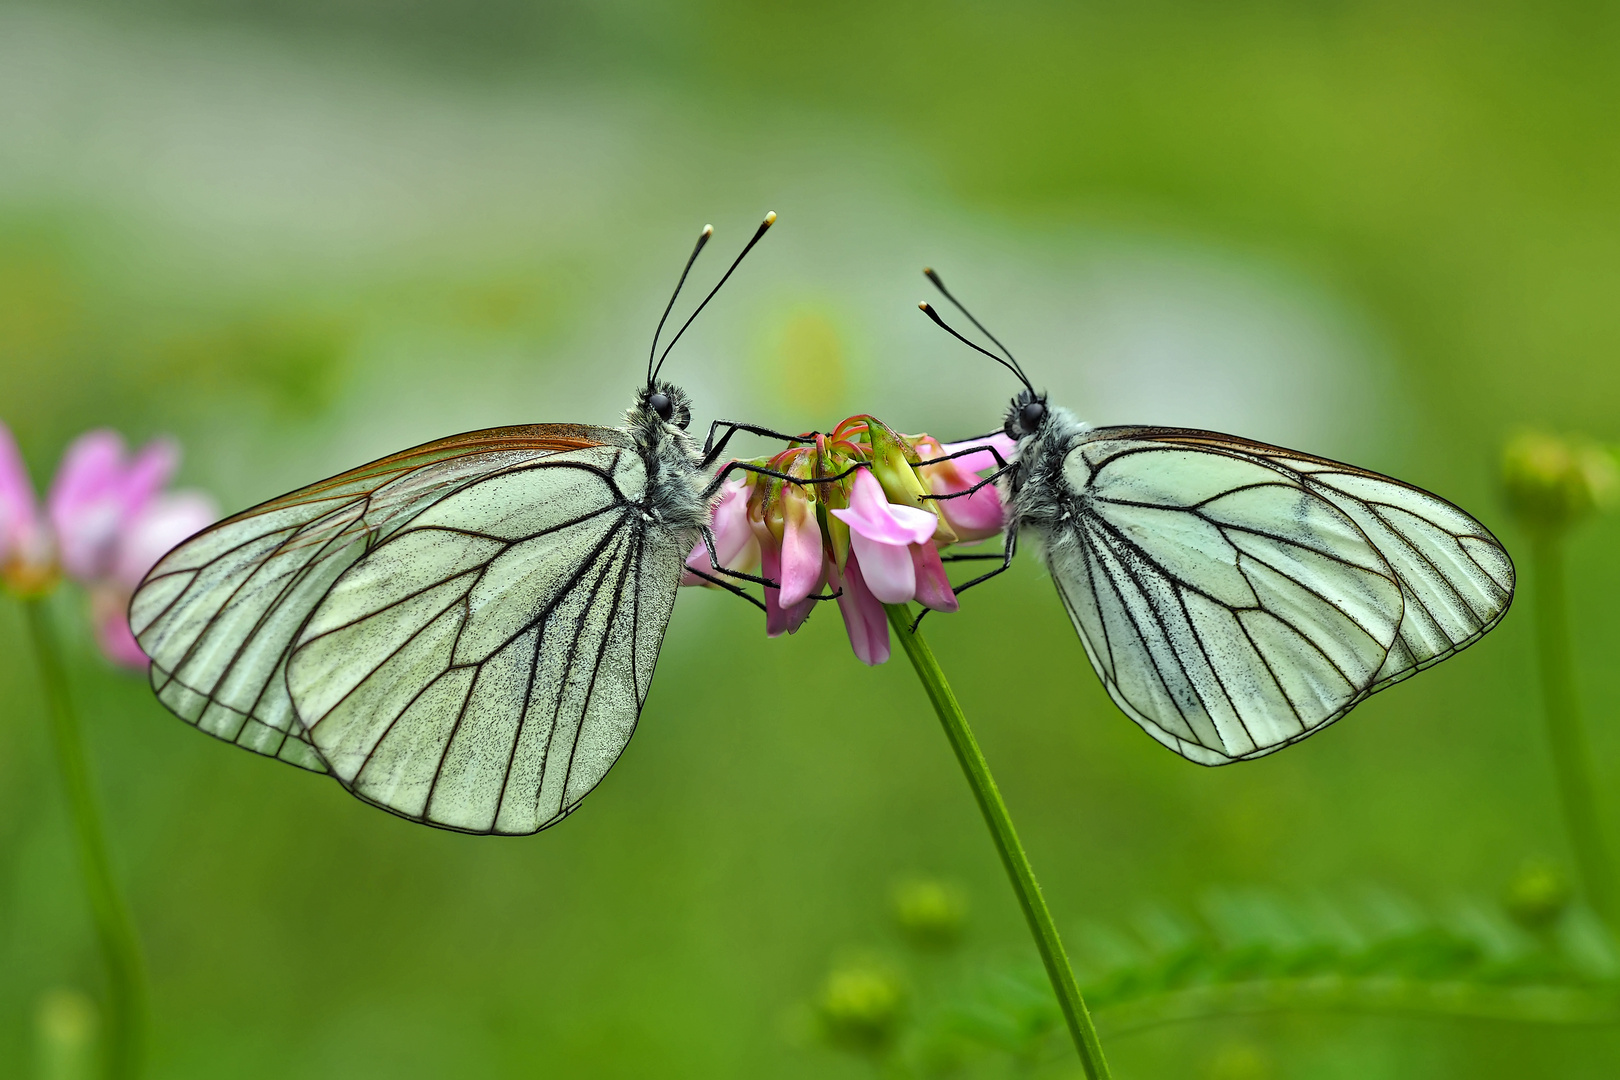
660,404
1030,416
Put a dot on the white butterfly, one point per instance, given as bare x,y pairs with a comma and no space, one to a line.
1236,597
462,633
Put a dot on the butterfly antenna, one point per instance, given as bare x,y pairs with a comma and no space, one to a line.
703,238
928,310
770,219
1017,369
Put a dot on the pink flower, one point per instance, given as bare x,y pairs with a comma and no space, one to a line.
107,522
978,516
734,544
97,494
161,523
880,536
27,556
850,510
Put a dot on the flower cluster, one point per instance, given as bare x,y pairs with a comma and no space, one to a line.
854,519
106,521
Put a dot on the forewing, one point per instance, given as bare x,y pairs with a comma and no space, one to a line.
217,615
484,667
1229,608
1456,578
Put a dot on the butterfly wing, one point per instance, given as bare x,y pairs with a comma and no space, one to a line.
483,667
1237,597
217,615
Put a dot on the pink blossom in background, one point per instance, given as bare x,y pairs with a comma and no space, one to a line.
106,522
98,491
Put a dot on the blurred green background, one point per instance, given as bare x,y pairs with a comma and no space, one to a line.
300,235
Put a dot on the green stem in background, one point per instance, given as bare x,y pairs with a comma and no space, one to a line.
115,930
1572,760
1013,858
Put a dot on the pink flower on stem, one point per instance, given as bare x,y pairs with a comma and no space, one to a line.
106,523
879,539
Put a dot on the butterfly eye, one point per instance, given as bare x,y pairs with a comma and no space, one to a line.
660,404
1029,417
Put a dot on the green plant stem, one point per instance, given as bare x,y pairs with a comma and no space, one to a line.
1013,858
115,930
1572,760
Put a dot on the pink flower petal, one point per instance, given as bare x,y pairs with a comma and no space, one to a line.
96,495
154,465
111,623
118,644
780,619
864,618
886,568
873,516
933,587
803,568
983,460
159,526
734,543
978,516
19,513
84,504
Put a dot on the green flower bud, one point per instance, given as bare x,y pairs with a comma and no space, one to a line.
861,1009
1538,894
930,913
1552,482
892,466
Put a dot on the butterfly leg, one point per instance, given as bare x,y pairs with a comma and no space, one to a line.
714,563
728,586
744,466
992,478
1006,556
992,451
712,451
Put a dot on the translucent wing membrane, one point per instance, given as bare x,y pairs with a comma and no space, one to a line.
486,678
1236,597
219,613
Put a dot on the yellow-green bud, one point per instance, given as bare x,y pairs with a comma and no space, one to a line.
930,913
861,1008
1551,482
1538,894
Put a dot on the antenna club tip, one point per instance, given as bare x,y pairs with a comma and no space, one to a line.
770,217
708,230
922,305
928,271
